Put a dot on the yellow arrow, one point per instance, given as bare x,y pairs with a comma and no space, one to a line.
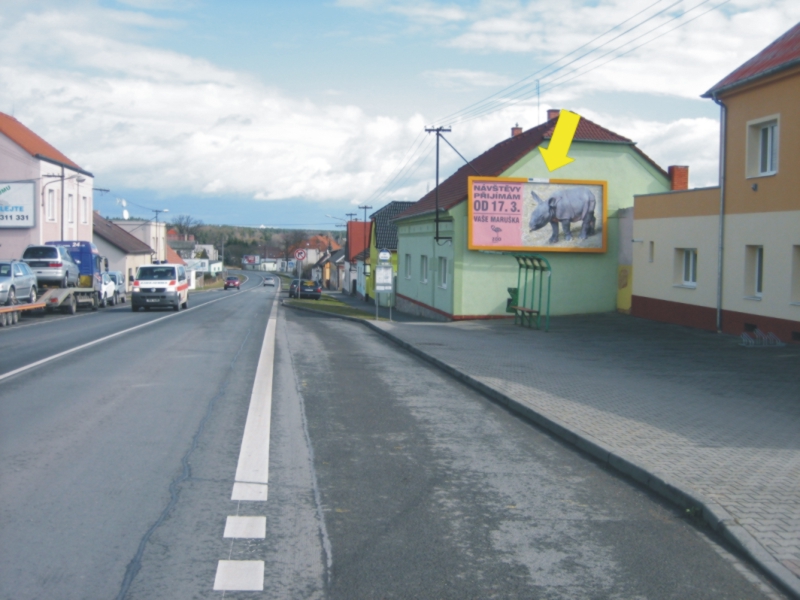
555,155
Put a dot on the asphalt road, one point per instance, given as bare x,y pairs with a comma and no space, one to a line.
387,479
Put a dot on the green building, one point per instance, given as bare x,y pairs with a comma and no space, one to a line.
446,280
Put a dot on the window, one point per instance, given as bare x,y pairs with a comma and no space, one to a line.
84,210
754,272
763,139
423,269
690,267
70,208
51,205
442,272
652,254
408,266
686,267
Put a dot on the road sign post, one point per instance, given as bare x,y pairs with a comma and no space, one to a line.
384,279
300,255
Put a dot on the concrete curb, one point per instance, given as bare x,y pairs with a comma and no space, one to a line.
713,514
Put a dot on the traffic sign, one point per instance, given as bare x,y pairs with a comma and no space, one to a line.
384,255
300,254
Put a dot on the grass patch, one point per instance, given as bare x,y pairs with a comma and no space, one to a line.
333,306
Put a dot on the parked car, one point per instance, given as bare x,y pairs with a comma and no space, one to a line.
119,283
233,282
17,281
107,292
269,281
293,288
52,265
310,289
160,285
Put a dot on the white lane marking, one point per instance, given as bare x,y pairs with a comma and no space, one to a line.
246,527
253,464
240,576
249,492
113,335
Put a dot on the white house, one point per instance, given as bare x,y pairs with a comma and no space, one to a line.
44,196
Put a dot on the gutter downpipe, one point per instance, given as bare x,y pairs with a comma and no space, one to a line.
723,127
63,214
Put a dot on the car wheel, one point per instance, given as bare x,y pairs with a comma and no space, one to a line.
3,321
114,299
146,308
72,306
15,317
177,306
12,297
64,282
134,308
186,304
33,297
104,301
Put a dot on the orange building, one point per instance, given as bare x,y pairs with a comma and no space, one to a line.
727,258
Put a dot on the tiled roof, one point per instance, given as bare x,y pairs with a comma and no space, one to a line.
174,257
33,144
363,255
385,230
781,54
116,235
358,233
493,162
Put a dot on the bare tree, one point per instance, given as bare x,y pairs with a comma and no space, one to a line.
185,224
290,240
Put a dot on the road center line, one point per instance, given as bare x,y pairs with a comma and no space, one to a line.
252,470
114,335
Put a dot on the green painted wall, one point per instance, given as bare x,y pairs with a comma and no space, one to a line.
581,283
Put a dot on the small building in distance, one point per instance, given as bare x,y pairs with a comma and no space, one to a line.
125,252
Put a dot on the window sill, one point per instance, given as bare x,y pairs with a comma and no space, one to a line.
794,303
757,298
442,287
759,175
685,286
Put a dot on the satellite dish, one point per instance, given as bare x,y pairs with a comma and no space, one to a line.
125,214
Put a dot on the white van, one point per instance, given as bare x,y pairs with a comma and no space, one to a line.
163,285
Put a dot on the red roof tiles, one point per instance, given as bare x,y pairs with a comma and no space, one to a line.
780,54
358,233
33,144
493,162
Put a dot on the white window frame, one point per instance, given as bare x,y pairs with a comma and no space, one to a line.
689,269
408,266
763,144
84,209
423,268
759,274
442,272
51,205
754,272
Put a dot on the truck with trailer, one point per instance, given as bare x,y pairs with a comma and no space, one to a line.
95,287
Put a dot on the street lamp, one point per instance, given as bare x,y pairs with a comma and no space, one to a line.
62,179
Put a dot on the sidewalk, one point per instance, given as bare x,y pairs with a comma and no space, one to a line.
690,414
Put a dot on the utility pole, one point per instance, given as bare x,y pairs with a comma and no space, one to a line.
438,131
365,207
351,215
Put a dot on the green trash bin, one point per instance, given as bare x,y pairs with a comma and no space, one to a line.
513,300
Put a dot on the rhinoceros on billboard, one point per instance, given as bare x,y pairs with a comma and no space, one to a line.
522,215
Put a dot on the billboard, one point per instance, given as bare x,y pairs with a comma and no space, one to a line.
251,259
537,215
17,205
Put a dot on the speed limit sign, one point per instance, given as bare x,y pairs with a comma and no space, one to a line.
300,254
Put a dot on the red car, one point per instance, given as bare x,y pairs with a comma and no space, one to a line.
232,282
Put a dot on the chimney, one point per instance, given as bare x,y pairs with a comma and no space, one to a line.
516,130
552,113
678,177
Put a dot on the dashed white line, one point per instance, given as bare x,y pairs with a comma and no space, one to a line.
245,527
240,576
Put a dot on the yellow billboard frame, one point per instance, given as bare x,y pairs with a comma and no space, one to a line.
603,184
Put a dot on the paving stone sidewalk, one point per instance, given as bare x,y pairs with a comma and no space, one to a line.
719,421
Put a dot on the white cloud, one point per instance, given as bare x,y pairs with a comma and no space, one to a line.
465,78
149,118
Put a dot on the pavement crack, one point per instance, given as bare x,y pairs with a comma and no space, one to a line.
135,565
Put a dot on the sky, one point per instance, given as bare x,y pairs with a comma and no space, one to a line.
293,114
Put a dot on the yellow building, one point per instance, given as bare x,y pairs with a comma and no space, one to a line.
728,258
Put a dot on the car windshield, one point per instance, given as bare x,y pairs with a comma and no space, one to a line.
40,252
233,279
5,270
156,273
